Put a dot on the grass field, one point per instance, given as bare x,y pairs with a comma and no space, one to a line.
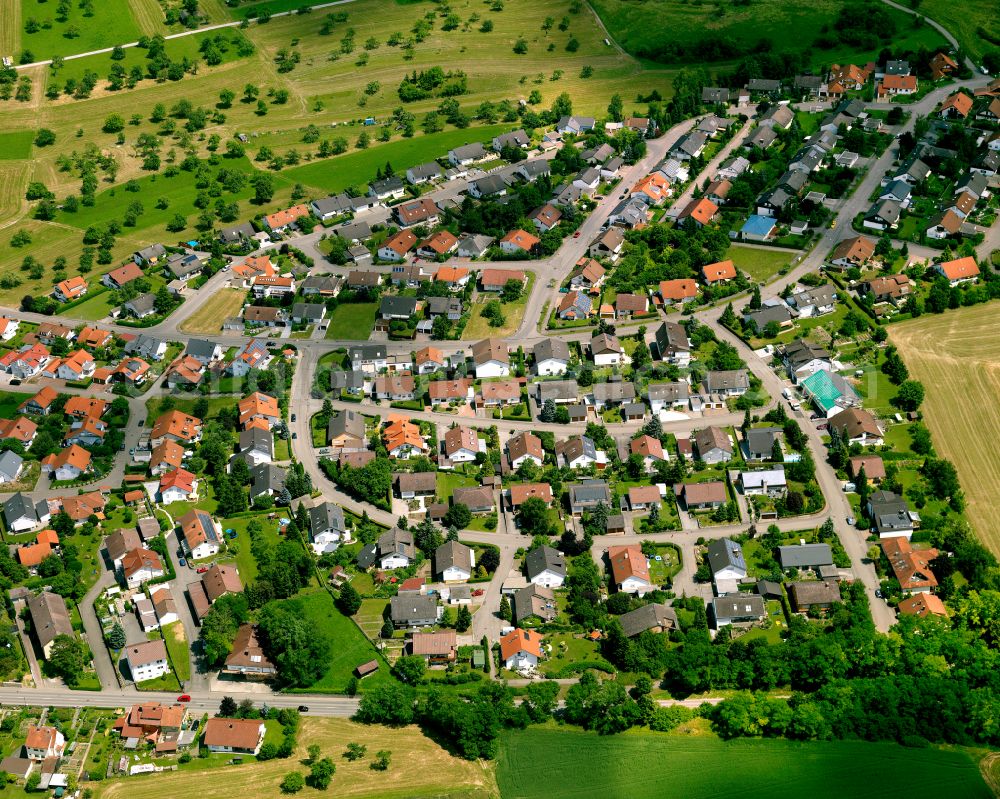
352,320
964,20
479,327
957,357
439,773
177,647
224,303
759,263
15,146
789,24
110,24
550,763
350,649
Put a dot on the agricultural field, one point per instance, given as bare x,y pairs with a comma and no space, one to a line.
561,763
723,34
223,304
957,357
440,774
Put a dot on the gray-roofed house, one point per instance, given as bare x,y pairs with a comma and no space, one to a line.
551,356
762,137
308,312
142,306
654,617
758,443
149,255
327,527
49,619
811,594
472,245
266,479
689,146
387,188
816,301
10,466
891,515
713,445
467,154
204,351
731,382
713,95
184,265
146,347
588,495
673,344
778,313
413,610
738,608
764,85
256,446
726,560
665,396
394,306
22,513
424,173
237,234
516,138
454,562
883,215
613,393
534,603
545,566
561,392
805,556
478,499
393,550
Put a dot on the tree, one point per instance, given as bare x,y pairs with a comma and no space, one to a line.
910,395
320,774
116,636
355,751
409,669
44,137
616,109
464,619
533,517
227,707
458,515
387,628
263,188
67,659
389,704
293,782
113,123
511,290
505,611
381,762
314,751
349,600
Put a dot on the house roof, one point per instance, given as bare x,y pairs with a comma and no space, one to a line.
960,268
721,270
805,556
873,466
72,455
176,424
911,566
647,617
220,580
628,562
247,652
473,497
490,349
922,604
854,423
237,734
439,644
140,559
459,438
701,493
858,249
642,495
700,210
198,527
542,559
125,273
121,542
20,429
521,239
525,443
401,243
828,389
551,349
814,592
179,478
524,491
452,554
43,399
49,616
414,607
518,641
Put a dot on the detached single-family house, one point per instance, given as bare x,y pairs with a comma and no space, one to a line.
629,569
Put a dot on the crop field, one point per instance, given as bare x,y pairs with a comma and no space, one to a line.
957,357
111,23
15,146
560,764
224,303
438,774
734,30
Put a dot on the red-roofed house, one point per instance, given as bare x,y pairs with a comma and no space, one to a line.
280,221
519,241
720,272
701,211
178,485
521,649
961,270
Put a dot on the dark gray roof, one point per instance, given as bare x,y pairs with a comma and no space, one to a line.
257,439
534,600
671,338
544,558
412,607
398,306
805,556
647,617
347,422
143,346
142,303
668,391
19,506
769,313
613,392
367,352
739,606
10,464
558,390
760,441
590,492
49,617
723,380
714,94
889,512
491,184
386,185
200,348
725,553
554,348
396,542
237,233
312,311
183,264
326,516
350,379
425,171
266,477
801,351
474,150
452,554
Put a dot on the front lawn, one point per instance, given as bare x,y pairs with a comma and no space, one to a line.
761,264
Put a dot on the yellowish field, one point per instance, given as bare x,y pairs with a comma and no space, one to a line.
956,355
419,768
10,26
209,318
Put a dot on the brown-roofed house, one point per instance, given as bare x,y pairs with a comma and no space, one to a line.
629,569
719,272
911,566
243,736
923,605
522,492
855,251
247,658
701,211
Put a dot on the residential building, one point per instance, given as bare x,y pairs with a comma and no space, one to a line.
891,516
629,569
248,659
551,357
491,358
726,561
654,618
519,241
813,595
454,562
521,650
606,350
200,534
769,482
737,608
545,567
438,649
413,610
237,736
49,619
141,565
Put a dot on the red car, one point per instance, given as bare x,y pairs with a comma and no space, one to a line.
184,698
202,569
576,235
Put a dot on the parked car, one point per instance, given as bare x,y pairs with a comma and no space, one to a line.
182,561
293,417
202,569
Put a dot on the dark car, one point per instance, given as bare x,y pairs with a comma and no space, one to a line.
303,708
293,417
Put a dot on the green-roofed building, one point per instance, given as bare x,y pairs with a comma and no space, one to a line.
829,392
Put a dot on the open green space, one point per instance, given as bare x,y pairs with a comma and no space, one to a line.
350,649
178,650
105,24
551,763
967,21
359,167
96,307
760,263
352,321
725,33
16,145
